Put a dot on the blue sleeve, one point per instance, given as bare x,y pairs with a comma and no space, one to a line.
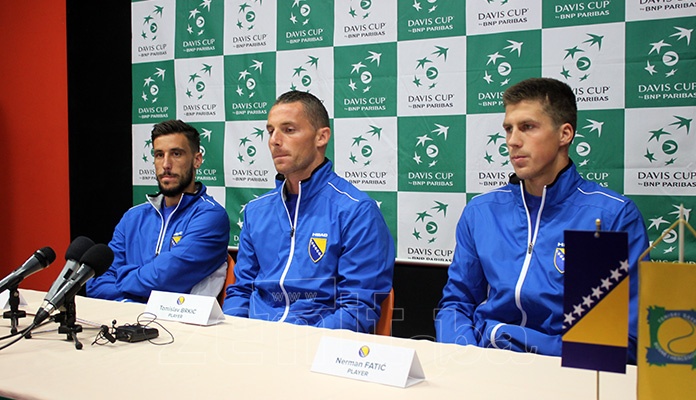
104,286
245,270
465,289
200,252
631,221
365,271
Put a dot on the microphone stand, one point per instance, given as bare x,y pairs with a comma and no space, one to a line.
14,313
67,320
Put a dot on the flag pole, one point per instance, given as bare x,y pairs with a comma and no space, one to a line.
681,232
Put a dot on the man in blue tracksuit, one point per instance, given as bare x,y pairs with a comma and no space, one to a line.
177,240
315,250
505,286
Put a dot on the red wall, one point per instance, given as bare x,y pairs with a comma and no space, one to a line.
35,209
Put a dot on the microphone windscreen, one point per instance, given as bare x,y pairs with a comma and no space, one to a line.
47,254
99,257
78,247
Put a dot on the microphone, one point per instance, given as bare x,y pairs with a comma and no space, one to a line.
75,251
94,262
38,261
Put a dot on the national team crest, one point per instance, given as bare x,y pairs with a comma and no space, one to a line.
316,248
559,258
176,238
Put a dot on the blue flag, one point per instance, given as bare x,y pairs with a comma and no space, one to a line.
595,301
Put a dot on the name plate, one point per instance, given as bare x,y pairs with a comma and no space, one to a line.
365,361
188,308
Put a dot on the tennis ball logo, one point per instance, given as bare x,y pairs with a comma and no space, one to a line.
364,351
677,336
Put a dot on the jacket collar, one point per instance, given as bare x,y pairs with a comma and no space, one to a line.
311,185
563,186
187,199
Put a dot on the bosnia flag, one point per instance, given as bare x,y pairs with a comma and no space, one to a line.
595,301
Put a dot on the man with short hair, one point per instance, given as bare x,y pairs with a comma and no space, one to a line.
177,240
315,250
504,289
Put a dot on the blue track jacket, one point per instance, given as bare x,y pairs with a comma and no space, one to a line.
504,290
329,267
172,257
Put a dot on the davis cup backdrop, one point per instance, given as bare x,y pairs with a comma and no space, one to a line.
413,88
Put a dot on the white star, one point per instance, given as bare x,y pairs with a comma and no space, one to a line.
189,30
243,74
505,82
656,222
687,211
441,129
374,57
432,164
240,224
615,274
296,3
144,96
683,33
160,72
148,81
568,319
587,301
624,266
257,65
193,13
293,18
239,91
417,158
487,77
379,204
206,4
431,9
422,140
669,249
670,73
357,67
367,89
493,58
584,162
606,283
657,46
597,292
351,85
594,126
650,68
515,46
416,5
206,134
578,310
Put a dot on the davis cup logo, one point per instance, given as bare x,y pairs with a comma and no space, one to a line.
427,150
426,71
195,86
150,27
363,76
302,77
364,151
577,63
151,89
662,147
248,147
499,65
246,16
364,6
196,19
668,244
301,15
426,227
583,147
248,79
496,150
663,56
425,5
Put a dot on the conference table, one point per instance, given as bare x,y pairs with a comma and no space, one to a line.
253,359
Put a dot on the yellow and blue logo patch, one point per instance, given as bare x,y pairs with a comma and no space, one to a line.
176,238
317,246
559,258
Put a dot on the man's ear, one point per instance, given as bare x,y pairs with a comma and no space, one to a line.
323,136
567,134
198,160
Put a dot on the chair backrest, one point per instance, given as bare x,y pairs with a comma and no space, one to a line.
229,280
384,325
